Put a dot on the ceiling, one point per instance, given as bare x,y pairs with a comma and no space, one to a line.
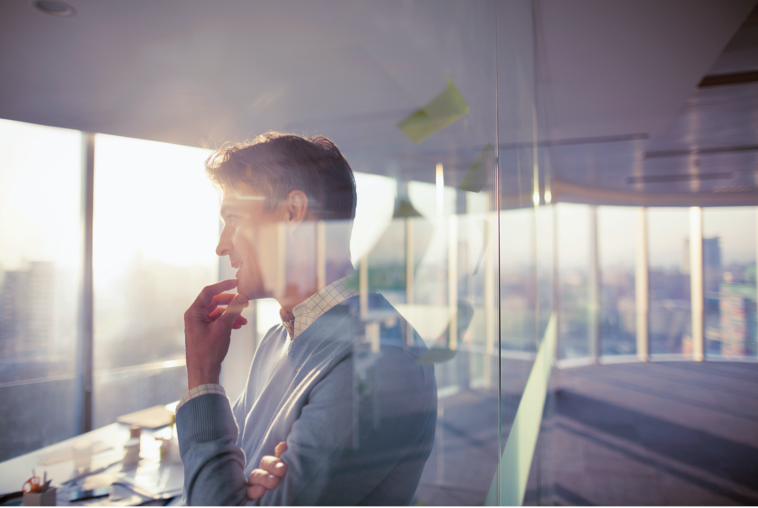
617,80
691,144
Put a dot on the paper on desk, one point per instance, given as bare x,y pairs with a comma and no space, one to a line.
155,478
65,454
120,496
98,481
150,418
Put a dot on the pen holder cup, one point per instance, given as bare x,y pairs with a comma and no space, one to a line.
46,498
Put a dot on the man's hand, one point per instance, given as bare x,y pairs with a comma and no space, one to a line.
207,331
267,477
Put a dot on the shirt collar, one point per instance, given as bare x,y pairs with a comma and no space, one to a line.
315,306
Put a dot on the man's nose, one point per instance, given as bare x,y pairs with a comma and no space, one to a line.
225,246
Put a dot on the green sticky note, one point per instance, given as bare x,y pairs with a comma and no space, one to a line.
436,355
479,172
443,110
405,209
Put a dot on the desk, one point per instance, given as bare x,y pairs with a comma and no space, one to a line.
151,475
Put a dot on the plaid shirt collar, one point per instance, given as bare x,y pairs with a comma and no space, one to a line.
312,308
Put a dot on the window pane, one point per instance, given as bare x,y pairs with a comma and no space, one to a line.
40,180
616,244
573,262
670,318
155,231
729,254
517,279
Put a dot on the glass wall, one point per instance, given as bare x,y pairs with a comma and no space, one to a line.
40,261
453,236
729,277
429,235
155,232
617,251
458,258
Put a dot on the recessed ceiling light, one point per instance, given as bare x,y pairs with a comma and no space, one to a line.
54,7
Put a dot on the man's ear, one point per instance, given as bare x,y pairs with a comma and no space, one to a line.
297,206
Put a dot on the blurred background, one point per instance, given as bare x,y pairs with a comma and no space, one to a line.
559,195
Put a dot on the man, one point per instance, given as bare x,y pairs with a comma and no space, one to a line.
337,409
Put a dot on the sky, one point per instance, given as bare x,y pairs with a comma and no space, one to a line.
736,226
39,195
151,200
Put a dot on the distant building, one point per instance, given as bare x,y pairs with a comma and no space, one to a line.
738,320
27,313
711,262
669,317
627,312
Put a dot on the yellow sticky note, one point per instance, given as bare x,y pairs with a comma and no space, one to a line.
478,174
441,111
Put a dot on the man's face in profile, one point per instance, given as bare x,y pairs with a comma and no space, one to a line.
250,239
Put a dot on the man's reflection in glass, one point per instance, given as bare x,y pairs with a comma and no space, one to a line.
337,409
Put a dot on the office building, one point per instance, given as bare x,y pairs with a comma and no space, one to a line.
27,319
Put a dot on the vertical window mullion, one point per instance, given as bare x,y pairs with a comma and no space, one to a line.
85,334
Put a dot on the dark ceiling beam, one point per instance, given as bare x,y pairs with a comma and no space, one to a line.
577,141
700,151
734,78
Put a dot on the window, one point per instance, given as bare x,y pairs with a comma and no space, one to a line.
618,309
573,278
670,319
729,258
39,284
155,231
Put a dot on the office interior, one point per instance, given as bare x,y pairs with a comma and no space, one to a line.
559,195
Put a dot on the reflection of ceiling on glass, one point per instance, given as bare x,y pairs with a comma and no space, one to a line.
613,78
212,72
700,141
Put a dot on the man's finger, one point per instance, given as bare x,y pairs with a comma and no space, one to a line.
261,477
280,448
274,466
233,310
239,322
222,299
206,295
256,492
